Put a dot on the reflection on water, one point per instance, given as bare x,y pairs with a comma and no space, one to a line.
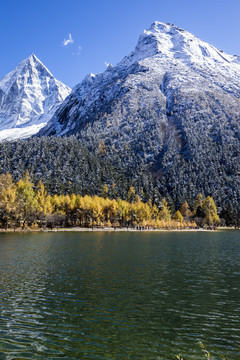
119,295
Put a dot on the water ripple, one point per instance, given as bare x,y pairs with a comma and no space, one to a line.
119,296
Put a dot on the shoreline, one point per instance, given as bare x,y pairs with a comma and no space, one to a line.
110,229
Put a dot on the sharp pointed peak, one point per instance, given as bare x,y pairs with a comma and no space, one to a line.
33,61
33,56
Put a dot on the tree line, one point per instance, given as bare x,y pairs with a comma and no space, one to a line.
23,204
65,166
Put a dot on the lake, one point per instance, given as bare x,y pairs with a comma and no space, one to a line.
131,295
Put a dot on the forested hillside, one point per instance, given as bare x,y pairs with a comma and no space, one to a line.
65,166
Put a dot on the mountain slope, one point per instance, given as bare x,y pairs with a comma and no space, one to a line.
168,69
29,96
63,165
173,104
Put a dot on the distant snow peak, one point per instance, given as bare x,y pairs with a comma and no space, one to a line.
108,65
29,96
90,77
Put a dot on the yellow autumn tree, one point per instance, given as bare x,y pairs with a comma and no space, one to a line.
27,202
185,210
109,209
210,212
123,211
178,216
8,199
165,213
44,205
96,210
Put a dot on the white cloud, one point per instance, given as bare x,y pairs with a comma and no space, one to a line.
79,50
68,41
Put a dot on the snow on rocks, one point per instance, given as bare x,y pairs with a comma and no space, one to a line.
29,96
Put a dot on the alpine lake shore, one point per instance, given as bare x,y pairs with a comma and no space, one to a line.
115,229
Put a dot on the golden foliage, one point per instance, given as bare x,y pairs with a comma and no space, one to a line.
24,204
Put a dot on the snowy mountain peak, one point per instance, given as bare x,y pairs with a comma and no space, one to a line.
29,96
171,78
176,44
33,61
160,27
32,58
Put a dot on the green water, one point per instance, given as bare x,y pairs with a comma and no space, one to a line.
119,295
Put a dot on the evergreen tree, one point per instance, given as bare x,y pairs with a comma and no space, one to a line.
104,191
131,194
197,209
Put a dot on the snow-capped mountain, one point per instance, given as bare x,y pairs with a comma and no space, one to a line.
171,106
170,72
29,96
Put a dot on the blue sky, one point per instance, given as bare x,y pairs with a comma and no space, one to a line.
103,31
